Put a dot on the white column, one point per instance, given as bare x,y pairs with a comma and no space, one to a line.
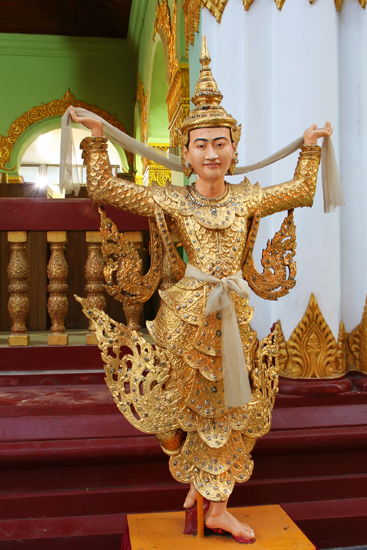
279,73
353,140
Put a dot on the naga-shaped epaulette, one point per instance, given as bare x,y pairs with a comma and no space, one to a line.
279,274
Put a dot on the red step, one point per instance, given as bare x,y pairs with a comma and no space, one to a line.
60,533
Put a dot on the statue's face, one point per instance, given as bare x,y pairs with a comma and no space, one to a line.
210,152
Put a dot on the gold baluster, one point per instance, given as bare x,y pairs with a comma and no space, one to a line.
131,309
57,272
18,273
94,277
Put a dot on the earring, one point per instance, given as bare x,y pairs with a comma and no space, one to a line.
232,168
187,168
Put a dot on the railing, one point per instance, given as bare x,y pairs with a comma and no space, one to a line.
46,245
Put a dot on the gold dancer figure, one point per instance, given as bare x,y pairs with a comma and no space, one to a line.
207,388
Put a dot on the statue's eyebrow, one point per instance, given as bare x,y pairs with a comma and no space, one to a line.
214,139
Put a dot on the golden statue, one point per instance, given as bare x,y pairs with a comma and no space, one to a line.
207,387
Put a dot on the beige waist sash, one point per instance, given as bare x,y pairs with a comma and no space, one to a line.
237,391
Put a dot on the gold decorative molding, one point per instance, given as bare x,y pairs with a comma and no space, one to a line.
56,107
357,343
178,94
216,7
247,4
191,10
178,102
279,4
311,351
154,172
163,22
143,98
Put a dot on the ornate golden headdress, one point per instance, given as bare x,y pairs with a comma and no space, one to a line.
208,112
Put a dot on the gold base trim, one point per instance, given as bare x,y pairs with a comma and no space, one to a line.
57,340
18,340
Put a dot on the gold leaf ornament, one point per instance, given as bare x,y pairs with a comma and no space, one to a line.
136,380
312,348
357,342
279,274
123,266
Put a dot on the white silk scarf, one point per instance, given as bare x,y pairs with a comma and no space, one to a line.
333,193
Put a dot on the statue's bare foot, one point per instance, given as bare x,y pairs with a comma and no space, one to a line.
191,497
218,518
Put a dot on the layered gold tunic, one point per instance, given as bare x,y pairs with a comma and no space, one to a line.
209,444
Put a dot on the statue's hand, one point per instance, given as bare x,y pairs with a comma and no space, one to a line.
95,126
312,134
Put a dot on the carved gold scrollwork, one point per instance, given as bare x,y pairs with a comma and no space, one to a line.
280,269
56,107
178,94
136,379
123,266
154,172
312,351
191,10
18,272
163,22
178,102
357,342
57,303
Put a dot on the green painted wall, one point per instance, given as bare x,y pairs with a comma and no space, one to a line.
37,69
142,41
158,114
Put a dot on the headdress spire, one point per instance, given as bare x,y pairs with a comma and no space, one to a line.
207,111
